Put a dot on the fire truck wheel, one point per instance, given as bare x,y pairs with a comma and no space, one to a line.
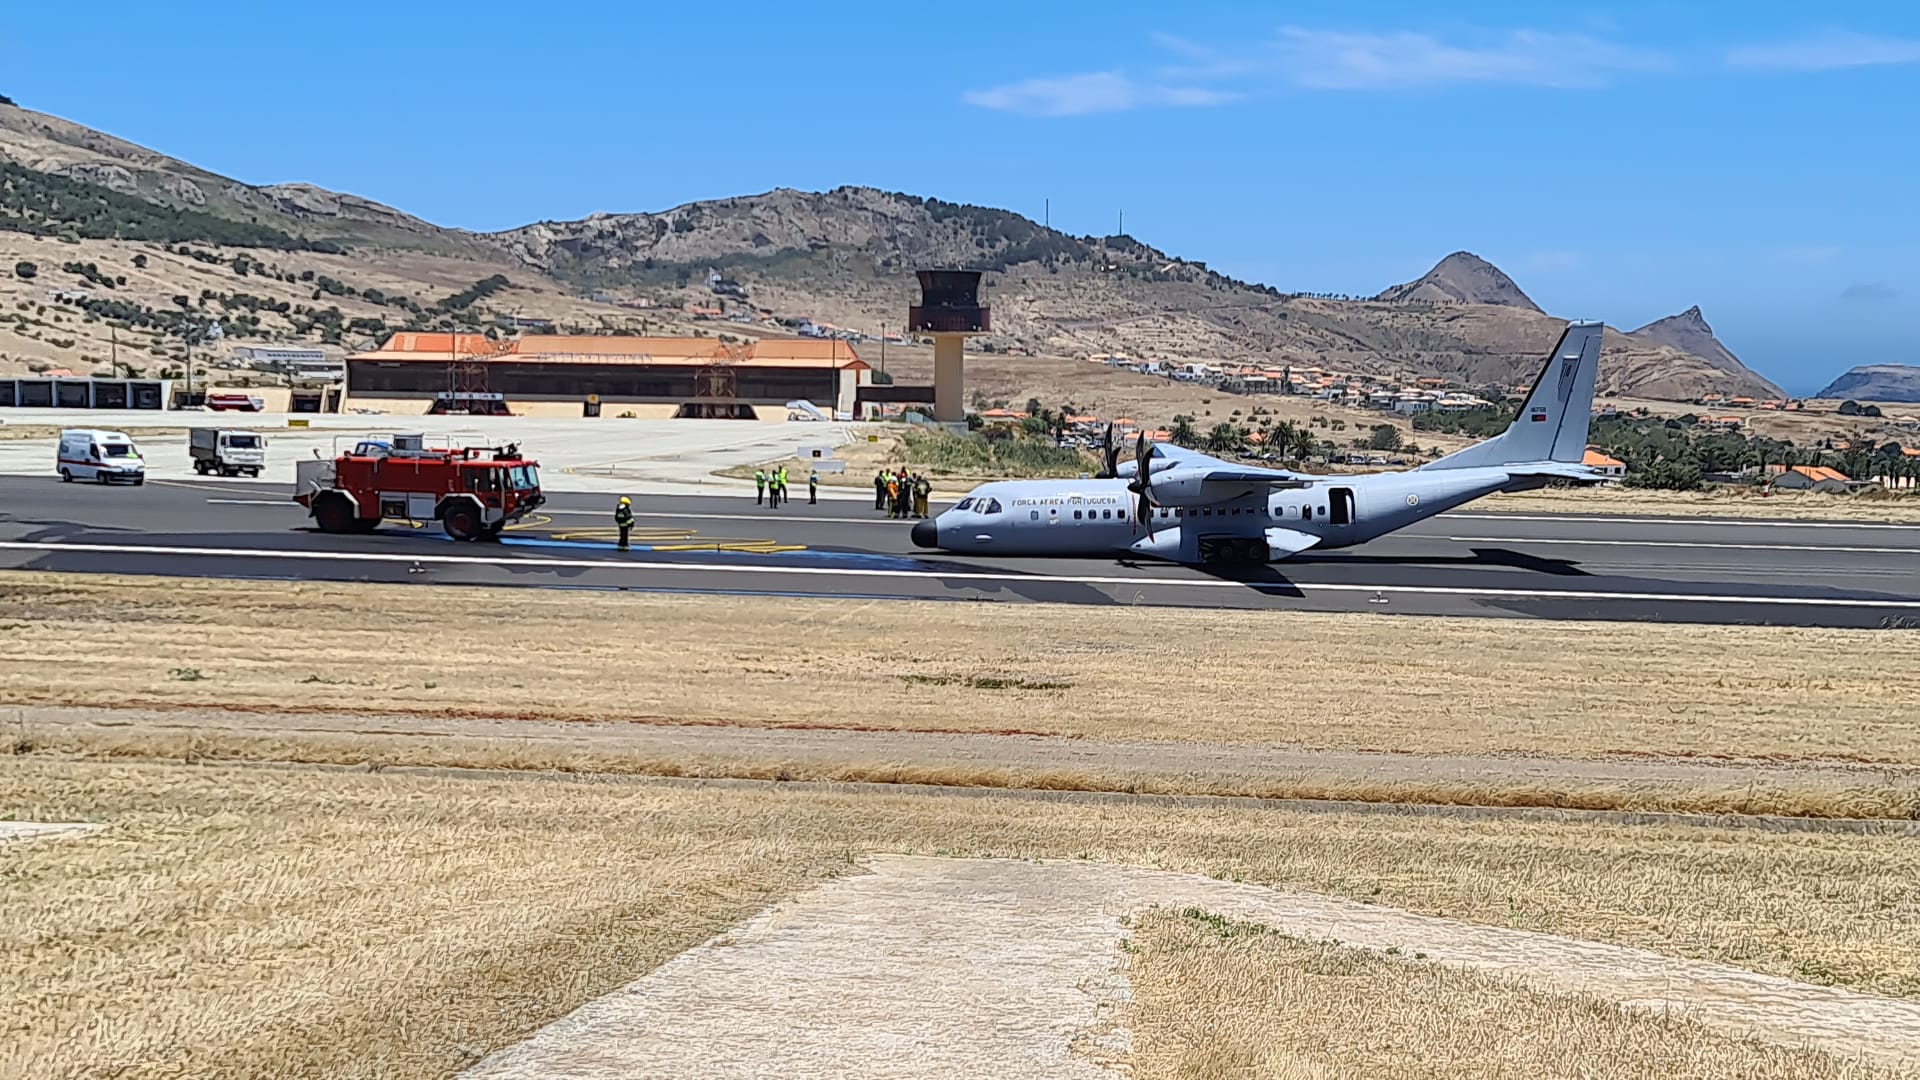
462,523
333,513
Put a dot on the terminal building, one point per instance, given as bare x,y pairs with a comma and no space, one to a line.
583,375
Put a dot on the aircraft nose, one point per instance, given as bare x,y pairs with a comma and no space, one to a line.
926,533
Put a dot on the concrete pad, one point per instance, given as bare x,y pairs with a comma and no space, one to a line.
660,457
927,967
42,830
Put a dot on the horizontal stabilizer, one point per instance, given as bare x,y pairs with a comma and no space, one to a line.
1556,470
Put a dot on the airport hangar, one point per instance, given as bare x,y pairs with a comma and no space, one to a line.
591,375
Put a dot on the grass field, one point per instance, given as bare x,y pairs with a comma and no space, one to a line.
1216,1000
234,922
1339,681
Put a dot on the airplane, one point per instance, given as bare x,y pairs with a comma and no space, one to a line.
1186,507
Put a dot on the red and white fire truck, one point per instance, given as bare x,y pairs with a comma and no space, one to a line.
474,492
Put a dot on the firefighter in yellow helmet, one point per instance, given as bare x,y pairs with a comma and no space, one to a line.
623,518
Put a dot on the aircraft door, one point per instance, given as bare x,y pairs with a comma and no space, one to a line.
1340,509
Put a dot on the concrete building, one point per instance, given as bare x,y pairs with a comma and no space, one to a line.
66,391
582,375
1812,478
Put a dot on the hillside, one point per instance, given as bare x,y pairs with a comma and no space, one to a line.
845,256
1689,333
1877,382
1463,278
48,144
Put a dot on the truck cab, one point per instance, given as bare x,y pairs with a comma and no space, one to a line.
229,453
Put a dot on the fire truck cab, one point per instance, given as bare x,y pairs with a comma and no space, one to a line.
474,492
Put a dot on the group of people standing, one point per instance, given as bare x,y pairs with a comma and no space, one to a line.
901,494
770,487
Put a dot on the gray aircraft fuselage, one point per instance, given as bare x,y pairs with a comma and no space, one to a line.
1095,516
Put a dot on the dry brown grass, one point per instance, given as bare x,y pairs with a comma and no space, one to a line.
1560,688
240,923
1215,1000
271,738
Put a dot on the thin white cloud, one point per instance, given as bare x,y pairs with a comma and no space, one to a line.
1826,52
1335,60
1095,92
1208,74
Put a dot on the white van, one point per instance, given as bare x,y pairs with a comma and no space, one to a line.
105,456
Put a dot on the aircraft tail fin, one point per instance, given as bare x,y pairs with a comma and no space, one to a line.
1552,424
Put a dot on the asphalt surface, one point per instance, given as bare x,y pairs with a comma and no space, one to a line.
1463,563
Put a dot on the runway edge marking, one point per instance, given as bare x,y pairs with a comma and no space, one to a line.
818,571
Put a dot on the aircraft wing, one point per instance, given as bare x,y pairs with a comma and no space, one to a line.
1202,485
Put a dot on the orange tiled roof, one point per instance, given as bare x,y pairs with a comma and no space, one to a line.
1820,472
464,344
1596,459
805,349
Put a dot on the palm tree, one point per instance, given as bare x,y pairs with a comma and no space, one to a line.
1303,444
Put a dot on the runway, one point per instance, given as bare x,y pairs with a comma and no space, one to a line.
1465,563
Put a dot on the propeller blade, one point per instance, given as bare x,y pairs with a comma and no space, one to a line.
1142,484
1109,455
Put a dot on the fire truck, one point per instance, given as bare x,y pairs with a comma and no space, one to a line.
473,492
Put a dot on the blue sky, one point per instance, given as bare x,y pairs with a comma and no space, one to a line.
1621,161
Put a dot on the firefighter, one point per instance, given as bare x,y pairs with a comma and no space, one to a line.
922,492
893,495
813,487
759,487
879,489
623,519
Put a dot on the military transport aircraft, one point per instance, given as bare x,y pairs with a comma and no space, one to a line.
1183,506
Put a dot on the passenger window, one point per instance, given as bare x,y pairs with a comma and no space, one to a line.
1123,515
1106,515
1033,515
1306,512
1076,515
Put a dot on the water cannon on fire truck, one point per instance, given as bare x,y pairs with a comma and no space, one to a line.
474,492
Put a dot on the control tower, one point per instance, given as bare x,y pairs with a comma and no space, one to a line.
949,311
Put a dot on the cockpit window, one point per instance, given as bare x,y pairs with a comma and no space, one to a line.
963,503
988,506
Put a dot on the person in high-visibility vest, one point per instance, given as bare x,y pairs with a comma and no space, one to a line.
759,487
623,519
781,473
893,495
813,487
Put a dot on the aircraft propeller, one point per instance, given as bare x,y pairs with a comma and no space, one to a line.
1141,484
1109,456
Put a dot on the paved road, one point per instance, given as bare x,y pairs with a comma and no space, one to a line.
1465,563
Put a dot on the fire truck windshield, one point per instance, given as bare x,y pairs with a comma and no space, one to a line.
523,477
